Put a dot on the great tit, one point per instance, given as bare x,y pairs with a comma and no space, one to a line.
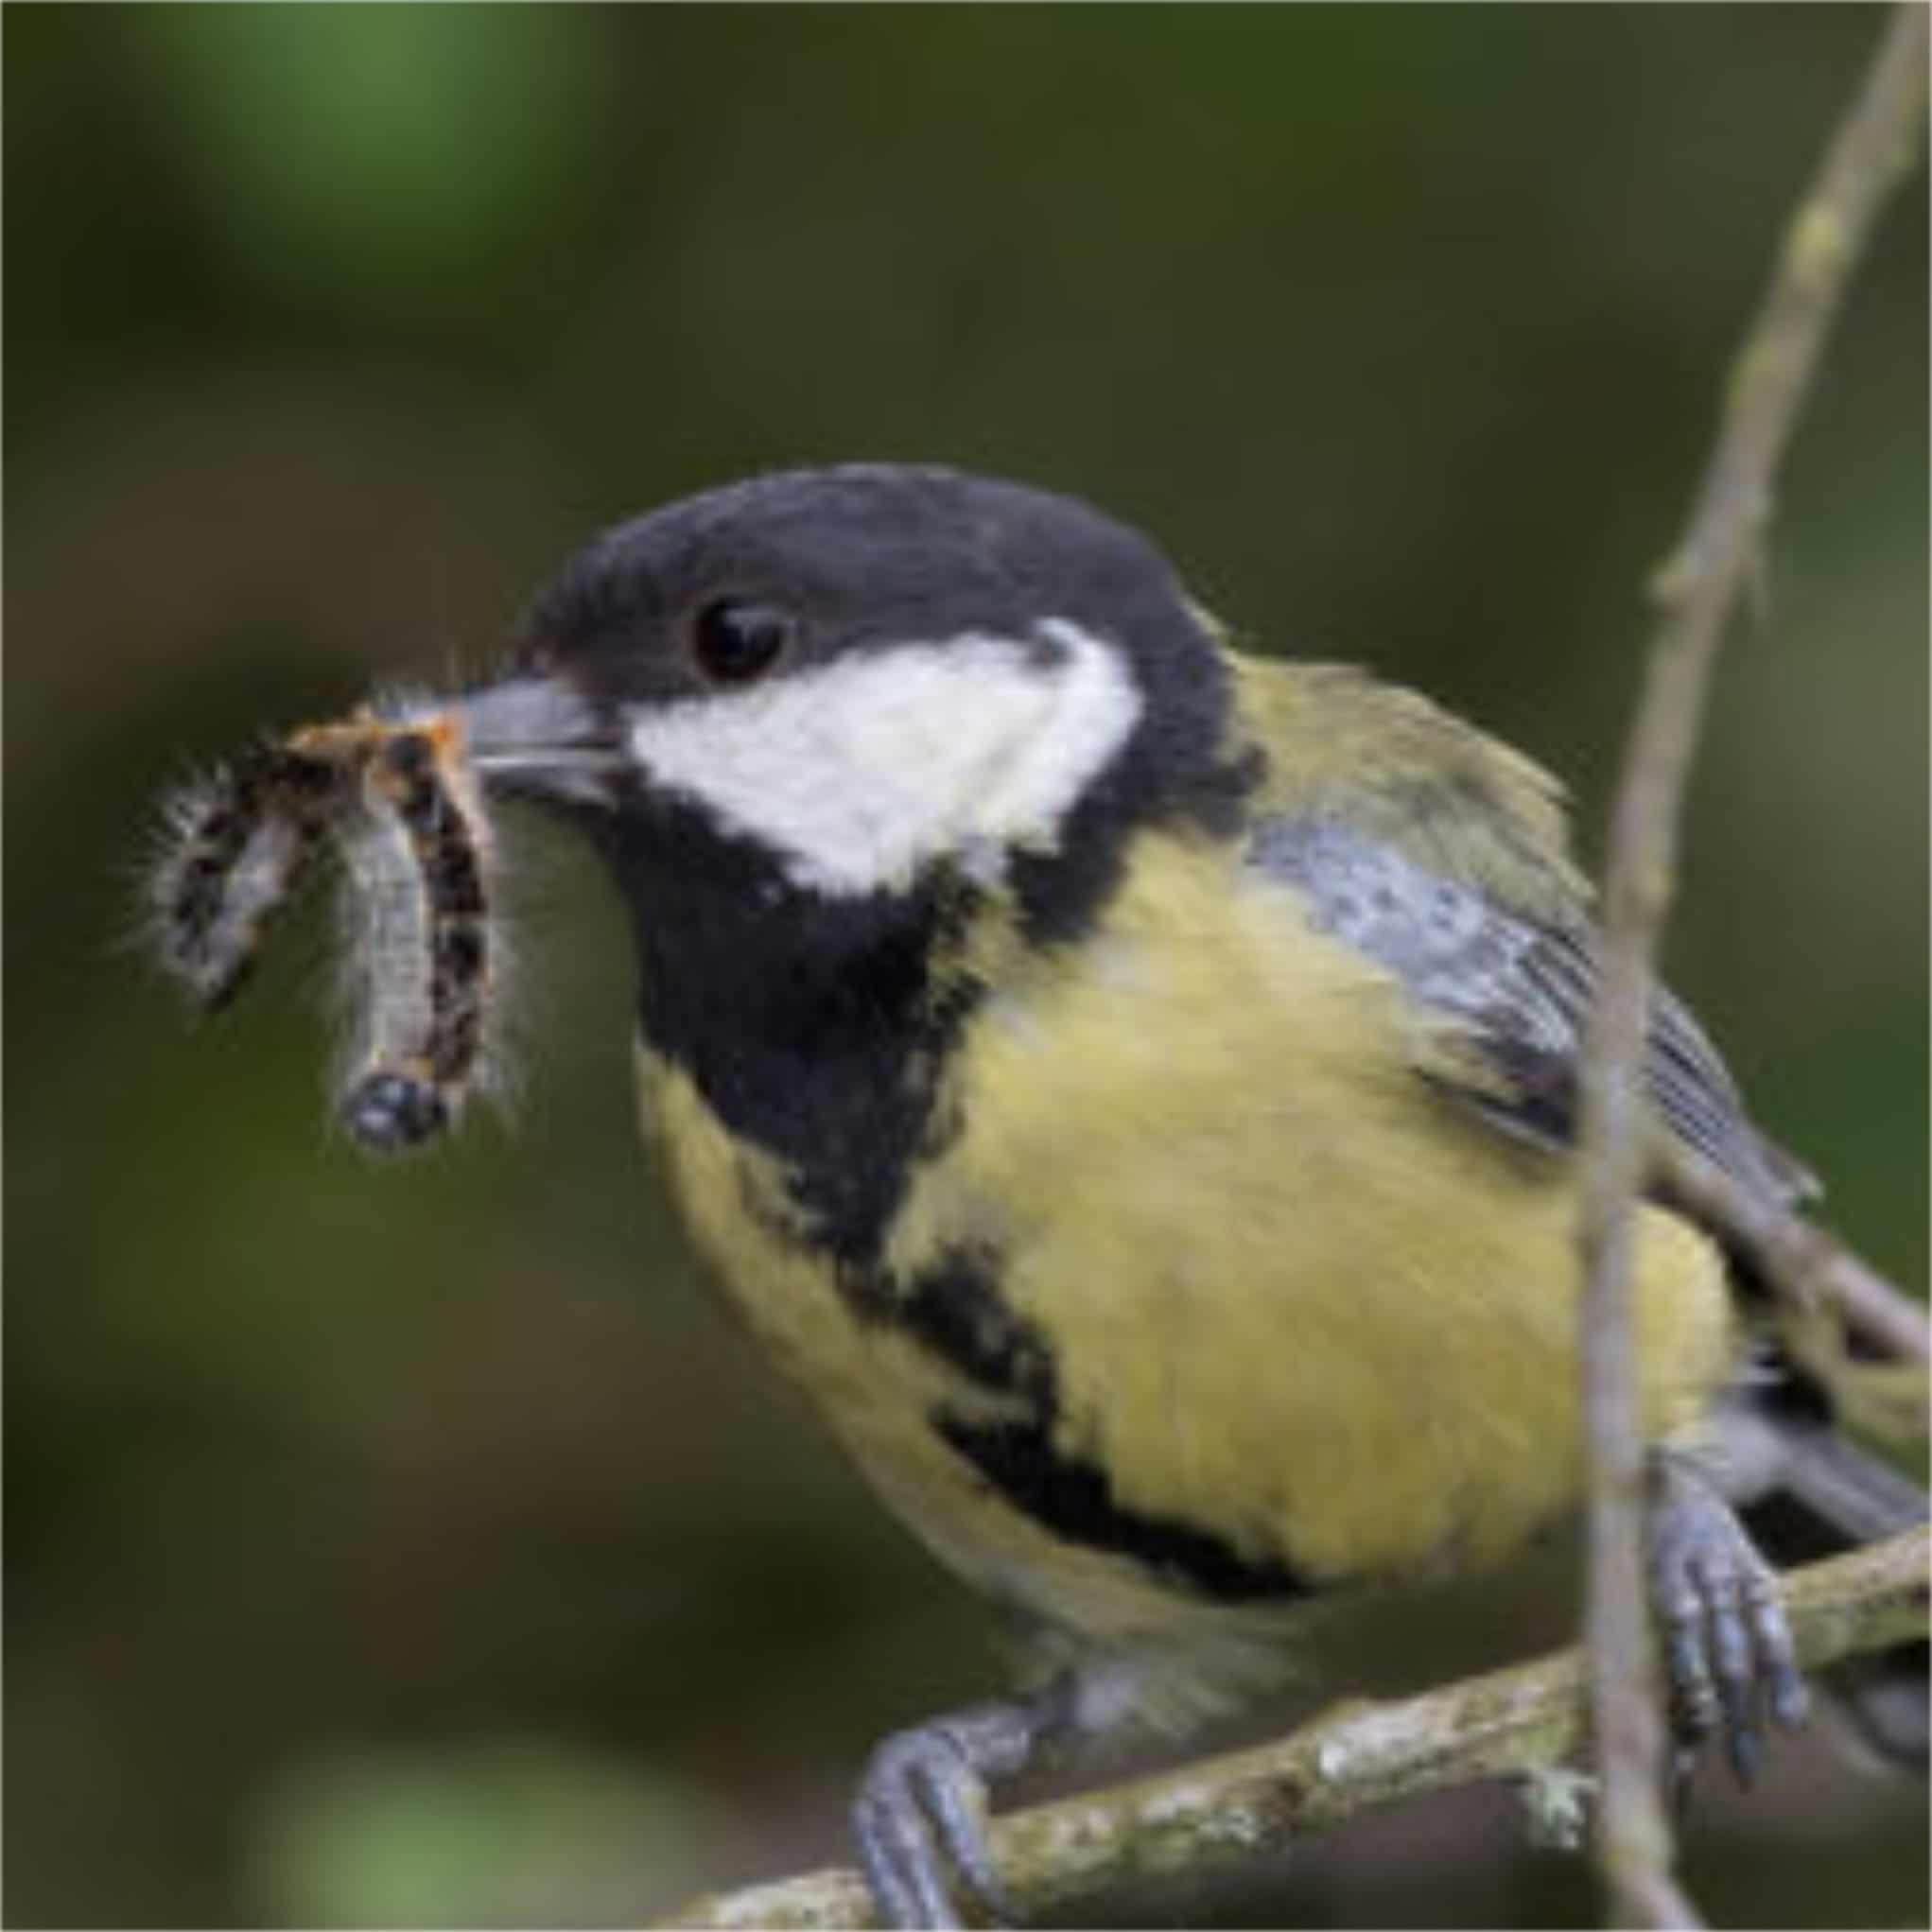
1130,1086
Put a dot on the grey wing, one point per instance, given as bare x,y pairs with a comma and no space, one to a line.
1521,988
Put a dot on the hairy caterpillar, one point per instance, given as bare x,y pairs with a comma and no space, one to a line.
238,844
417,849
395,798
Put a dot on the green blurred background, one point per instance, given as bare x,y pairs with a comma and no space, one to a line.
417,1545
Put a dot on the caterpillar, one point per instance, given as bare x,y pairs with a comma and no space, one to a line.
238,844
394,797
417,850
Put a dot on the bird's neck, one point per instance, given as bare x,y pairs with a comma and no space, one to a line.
819,1027
813,1028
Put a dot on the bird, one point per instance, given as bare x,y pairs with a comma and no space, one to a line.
1129,1083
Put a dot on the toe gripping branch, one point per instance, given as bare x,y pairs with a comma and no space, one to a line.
922,1808
920,1816
1728,1649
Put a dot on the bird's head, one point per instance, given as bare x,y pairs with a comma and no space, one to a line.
842,685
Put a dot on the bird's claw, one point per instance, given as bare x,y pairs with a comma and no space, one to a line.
1728,1648
922,1807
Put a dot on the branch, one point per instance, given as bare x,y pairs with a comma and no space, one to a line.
1694,593
1810,1270
1523,1722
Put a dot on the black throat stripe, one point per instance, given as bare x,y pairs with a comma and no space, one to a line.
815,1028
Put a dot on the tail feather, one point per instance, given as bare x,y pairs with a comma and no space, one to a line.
1826,1494
1853,1495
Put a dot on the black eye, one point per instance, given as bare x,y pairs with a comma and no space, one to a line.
737,639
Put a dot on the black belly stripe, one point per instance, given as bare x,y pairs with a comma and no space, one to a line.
1074,1500
954,1310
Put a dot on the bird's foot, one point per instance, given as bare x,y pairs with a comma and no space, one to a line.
1727,1646
922,1809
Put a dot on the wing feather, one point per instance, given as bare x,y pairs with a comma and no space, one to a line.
1515,988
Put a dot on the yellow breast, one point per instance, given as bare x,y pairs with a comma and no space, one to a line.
1294,1295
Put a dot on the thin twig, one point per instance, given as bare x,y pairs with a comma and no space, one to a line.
1525,1722
1694,593
1807,1266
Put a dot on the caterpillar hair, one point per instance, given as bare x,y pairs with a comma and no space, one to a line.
420,952
236,845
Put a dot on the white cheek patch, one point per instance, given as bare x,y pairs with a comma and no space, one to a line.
858,773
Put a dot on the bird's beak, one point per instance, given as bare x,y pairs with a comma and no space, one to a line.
535,735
